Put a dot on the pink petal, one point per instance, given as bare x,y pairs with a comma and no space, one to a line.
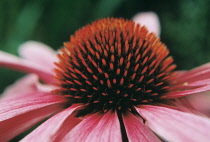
26,85
18,105
45,87
184,105
175,125
175,94
199,73
200,68
38,53
150,20
180,73
55,128
21,86
137,131
96,128
201,102
192,84
13,62
19,114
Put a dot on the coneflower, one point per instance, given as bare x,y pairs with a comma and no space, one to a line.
114,81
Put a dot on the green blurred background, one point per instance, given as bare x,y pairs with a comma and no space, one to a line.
185,25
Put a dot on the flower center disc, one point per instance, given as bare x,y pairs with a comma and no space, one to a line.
113,64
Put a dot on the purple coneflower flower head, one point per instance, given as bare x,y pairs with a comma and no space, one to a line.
112,81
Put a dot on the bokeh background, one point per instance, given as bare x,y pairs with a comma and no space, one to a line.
185,25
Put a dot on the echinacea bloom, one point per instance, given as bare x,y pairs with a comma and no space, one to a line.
113,81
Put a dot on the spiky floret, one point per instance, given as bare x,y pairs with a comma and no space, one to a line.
113,63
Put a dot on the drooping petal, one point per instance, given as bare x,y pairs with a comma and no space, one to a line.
137,131
191,85
25,85
150,20
190,82
199,68
179,73
13,62
55,128
45,87
198,74
183,104
175,94
21,87
201,102
38,53
175,125
96,128
20,113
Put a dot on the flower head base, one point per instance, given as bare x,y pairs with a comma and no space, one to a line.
114,64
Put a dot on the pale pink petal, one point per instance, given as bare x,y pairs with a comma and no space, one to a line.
13,62
136,130
150,20
201,102
26,85
45,87
205,74
175,94
179,73
38,53
96,128
191,85
18,105
184,105
199,68
21,86
173,125
199,73
19,114
55,128
176,77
